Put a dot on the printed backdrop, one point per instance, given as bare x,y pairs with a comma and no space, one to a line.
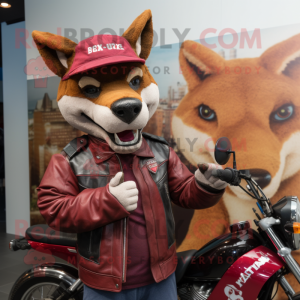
49,132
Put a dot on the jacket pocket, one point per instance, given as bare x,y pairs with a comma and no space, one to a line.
171,211
165,196
89,244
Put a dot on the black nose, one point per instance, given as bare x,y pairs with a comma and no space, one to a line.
127,109
262,177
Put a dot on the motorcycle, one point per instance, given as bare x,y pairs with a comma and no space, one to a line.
244,264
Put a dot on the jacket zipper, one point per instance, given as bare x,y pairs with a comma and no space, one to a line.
90,245
124,233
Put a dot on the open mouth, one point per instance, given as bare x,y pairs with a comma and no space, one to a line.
123,138
127,137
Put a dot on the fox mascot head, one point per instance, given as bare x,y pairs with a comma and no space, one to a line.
105,89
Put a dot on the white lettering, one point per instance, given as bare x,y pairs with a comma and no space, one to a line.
239,282
245,277
255,266
248,272
99,47
151,162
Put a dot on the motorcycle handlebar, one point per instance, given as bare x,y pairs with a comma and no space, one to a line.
226,175
233,177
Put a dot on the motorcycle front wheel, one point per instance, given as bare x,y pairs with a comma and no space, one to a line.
35,286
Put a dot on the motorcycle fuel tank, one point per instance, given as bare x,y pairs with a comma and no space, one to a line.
213,260
246,277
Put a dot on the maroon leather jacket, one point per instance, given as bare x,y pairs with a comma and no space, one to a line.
68,203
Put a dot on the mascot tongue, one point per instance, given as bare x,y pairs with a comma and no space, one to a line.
126,135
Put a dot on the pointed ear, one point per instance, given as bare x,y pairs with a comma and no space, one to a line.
57,51
140,34
198,62
283,58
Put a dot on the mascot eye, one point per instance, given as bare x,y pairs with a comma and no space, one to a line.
207,113
135,83
91,91
283,113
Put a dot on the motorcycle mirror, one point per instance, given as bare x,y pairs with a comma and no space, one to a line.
222,151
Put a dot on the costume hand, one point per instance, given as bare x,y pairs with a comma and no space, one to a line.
205,179
126,192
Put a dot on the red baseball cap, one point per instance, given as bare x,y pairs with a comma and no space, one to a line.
100,50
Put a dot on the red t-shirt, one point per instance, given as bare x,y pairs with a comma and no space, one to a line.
138,262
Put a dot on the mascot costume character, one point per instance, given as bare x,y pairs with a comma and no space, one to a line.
114,186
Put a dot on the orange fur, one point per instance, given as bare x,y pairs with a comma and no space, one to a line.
47,43
200,229
142,24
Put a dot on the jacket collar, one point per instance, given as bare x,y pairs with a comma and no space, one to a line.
101,150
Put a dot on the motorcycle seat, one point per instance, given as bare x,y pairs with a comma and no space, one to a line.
184,260
42,233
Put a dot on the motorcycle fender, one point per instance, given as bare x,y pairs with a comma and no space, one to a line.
64,272
247,275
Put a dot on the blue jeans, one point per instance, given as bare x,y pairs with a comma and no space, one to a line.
165,289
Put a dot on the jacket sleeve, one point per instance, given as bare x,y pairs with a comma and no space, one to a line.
67,209
184,190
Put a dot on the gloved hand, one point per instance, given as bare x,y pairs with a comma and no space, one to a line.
126,192
206,180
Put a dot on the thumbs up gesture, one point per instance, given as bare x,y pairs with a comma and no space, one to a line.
125,192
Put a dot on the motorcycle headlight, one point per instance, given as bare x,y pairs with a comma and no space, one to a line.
288,210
